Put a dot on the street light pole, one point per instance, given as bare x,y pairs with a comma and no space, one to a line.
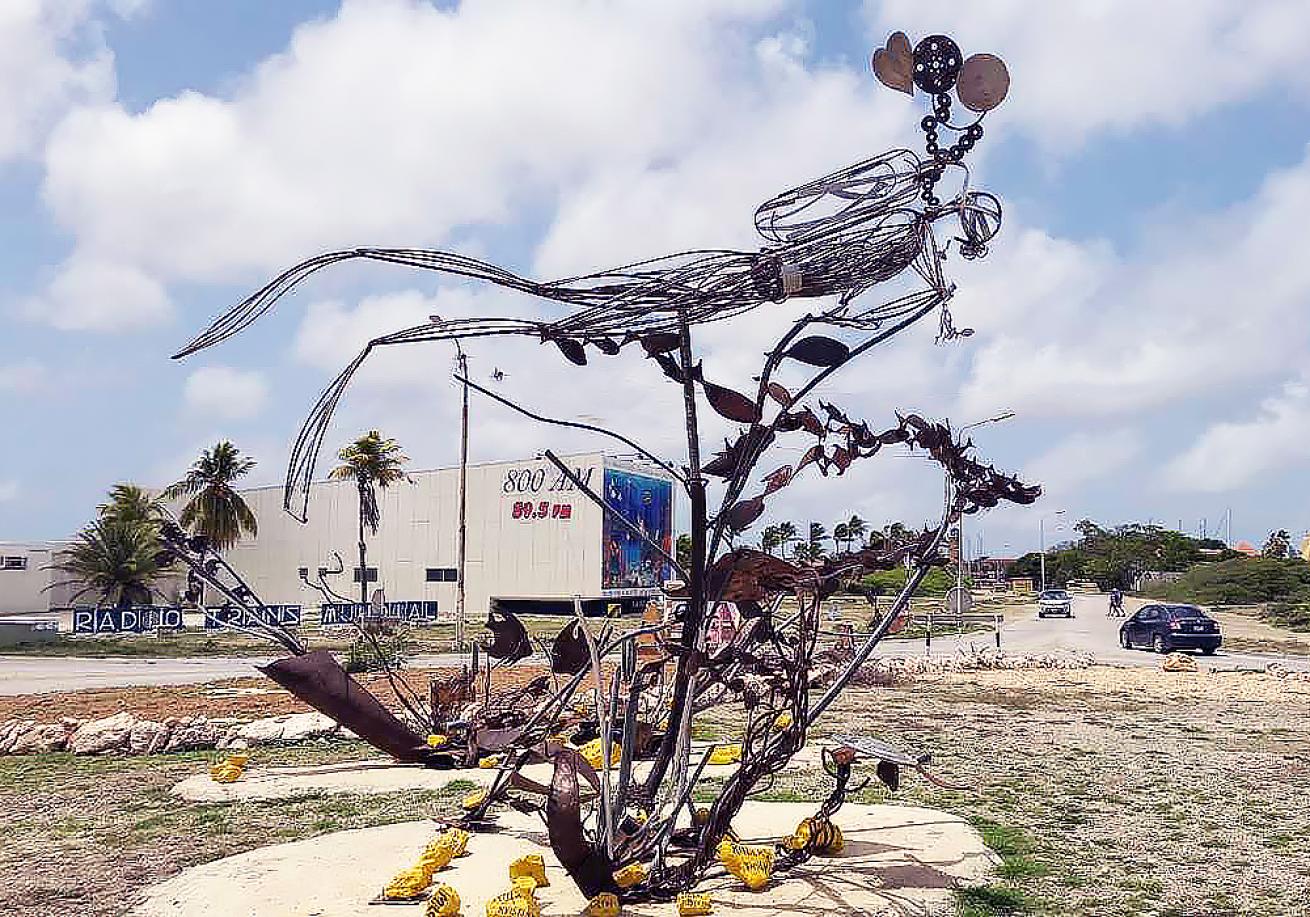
1041,537
959,525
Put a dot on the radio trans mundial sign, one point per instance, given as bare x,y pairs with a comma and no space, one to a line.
335,614
137,619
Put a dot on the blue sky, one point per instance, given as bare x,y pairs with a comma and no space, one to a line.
1142,312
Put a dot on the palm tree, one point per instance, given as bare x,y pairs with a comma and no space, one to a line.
770,539
817,536
215,509
840,535
130,503
786,535
117,559
855,529
373,463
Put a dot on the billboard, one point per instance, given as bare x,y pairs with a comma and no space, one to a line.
137,619
337,614
230,616
630,566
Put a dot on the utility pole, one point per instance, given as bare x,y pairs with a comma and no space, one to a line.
1041,536
463,493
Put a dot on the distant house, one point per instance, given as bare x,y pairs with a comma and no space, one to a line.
1245,547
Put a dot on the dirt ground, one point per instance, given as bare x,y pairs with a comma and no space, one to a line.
1107,791
237,697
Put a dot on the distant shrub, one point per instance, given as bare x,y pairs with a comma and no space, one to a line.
1240,581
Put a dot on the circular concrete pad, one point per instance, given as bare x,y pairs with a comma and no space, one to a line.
381,775
898,860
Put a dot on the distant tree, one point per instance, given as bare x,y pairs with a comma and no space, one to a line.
215,509
682,551
817,535
770,539
840,536
374,464
855,530
786,535
1278,544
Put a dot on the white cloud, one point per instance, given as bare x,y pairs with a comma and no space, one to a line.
25,377
223,392
1080,458
1074,329
91,294
1230,455
9,491
1082,67
51,58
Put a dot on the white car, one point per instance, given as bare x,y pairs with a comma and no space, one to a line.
1054,602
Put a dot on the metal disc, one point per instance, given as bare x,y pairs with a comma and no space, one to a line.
937,62
983,82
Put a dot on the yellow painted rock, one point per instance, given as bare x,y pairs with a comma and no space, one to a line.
592,753
606,904
489,761
524,886
437,855
753,865
630,875
1179,662
531,865
408,883
474,799
436,740
783,720
458,839
512,904
694,904
443,903
726,754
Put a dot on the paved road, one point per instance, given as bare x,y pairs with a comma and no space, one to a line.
40,674
1088,630
1023,632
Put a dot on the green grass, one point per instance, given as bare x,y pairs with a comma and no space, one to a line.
1019,865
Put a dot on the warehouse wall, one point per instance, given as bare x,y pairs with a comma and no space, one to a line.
547,552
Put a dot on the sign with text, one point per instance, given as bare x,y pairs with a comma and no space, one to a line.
222,616
137,619
336,614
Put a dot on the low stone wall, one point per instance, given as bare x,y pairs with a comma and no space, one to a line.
125,734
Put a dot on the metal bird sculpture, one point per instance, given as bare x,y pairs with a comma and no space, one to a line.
838,235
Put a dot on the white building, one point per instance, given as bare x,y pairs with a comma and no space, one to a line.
534,540
25,576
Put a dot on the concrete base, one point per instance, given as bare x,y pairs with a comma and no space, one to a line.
898,860
380,775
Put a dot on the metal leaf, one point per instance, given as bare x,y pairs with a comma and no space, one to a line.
730,404
742,514
841,458
779,394
510,641
787,422
569,654
812,455
606,346
893,65
819,351
572,350
777,479
661,342
811,423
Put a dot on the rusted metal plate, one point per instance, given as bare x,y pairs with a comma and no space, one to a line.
893,65
984,82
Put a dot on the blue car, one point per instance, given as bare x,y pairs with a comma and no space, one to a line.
1165,628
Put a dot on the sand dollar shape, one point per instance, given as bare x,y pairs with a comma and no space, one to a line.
983,82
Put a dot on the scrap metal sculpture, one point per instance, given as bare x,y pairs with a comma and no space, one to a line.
616,726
